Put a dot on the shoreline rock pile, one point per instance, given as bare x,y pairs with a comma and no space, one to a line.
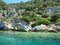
27,28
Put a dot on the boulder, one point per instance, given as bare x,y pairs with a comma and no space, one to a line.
53,26
58,28
8,26
28,28
51,29
40,28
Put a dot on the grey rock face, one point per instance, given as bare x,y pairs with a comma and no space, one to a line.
2,25
8,26
12,12
20,25
1,10
52,10
1,13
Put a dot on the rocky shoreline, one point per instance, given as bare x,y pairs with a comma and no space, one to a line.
28,28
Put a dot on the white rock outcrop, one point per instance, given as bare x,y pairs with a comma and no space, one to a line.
40,28
58,28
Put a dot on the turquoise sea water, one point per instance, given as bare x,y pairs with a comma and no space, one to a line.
24,39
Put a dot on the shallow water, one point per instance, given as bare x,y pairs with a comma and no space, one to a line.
15,39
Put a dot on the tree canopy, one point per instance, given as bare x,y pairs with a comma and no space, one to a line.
2,4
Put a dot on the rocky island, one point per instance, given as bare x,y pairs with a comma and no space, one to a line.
32,22
39,16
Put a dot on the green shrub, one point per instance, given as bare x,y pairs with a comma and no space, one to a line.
33,25
43,21
18,17
33,14
45,16
27,19
58,22
54,17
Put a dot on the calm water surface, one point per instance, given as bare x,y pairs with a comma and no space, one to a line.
14,39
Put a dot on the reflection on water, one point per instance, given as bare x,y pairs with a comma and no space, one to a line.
17,40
